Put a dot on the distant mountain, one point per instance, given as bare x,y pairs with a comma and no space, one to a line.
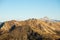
57,20
31,29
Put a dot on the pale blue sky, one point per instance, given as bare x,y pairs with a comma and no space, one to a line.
25,9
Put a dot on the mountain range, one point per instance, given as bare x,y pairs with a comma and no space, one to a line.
31,29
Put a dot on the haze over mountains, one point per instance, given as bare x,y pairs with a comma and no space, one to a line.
31,29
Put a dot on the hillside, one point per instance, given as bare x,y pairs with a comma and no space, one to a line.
32,29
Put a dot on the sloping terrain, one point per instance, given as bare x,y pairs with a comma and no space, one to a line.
32,29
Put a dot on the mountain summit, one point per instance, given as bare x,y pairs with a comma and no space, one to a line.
32,29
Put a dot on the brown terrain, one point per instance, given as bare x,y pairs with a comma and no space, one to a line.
32,29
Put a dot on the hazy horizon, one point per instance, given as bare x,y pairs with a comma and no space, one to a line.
25,9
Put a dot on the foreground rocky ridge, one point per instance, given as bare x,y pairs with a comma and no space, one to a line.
32,29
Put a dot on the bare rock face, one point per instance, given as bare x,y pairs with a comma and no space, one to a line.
32,29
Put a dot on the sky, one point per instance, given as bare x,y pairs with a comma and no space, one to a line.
25,9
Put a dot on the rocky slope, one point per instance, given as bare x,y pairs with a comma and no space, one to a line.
32,29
